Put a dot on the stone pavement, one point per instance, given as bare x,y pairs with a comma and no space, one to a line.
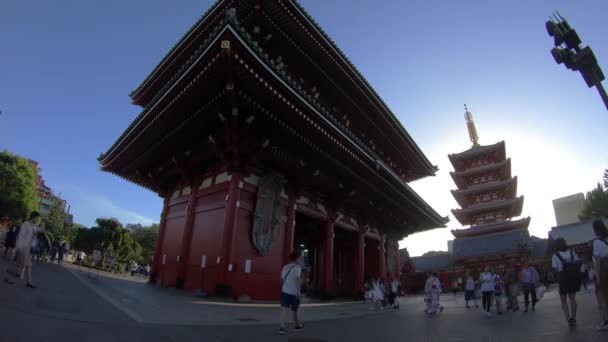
67,307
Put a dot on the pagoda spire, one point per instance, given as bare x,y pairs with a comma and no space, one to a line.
471,126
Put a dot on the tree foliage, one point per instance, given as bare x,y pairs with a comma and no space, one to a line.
596,204
110,238
18,197
55,222
146,237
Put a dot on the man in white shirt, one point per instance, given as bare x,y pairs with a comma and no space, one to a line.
290,292
529,282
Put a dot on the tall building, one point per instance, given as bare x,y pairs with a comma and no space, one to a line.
46,198
264,139
567,209
487,194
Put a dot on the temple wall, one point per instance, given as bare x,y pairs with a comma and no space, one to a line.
215,257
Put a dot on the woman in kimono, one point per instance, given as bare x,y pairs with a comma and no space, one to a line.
432,290
377,294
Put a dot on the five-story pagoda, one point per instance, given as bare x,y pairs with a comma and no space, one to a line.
487,194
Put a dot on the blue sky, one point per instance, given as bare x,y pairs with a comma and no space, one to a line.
67,68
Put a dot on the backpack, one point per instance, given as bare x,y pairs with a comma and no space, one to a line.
571,268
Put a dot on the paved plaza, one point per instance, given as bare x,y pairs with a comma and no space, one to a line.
72,305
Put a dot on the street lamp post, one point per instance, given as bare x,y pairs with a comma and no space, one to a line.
568,51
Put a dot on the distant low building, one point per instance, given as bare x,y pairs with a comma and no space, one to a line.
567,209
577,235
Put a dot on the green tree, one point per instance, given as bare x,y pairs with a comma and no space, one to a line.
18,196
85,240
596,204
55,222
146,237
110,238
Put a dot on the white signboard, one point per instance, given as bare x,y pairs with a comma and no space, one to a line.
229,267
248,266
97,255
203,261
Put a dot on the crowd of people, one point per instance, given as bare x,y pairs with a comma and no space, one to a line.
381,294
501,288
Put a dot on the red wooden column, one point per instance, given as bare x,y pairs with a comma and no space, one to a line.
382,252
360,260
187,237
230,227
157,262
397,260
328,254
290,225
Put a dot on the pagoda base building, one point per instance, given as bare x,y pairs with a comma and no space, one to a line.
263,139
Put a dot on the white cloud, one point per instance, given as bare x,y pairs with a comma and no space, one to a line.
125,216
89,205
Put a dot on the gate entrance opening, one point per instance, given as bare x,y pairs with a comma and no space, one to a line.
308,241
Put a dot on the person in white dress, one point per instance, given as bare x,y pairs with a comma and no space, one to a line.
377,294
23,245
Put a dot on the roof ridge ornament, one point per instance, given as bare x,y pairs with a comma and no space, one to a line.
471,126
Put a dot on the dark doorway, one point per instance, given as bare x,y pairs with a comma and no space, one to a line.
344,262
308,240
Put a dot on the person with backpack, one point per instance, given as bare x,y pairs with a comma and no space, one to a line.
600,264
569,269
290,292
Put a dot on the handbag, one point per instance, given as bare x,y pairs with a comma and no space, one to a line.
540,292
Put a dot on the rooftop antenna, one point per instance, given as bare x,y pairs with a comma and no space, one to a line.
471,126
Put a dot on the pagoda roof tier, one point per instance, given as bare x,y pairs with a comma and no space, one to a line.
333,71
183,133
509,188
458,160
512,208
490,228
503,167
490,244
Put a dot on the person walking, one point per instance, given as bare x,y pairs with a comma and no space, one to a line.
23,246
529,281
432,290
569,273
9,242
290,293
512,287
377,294
498,291
469,292
486,282
600,264
394,293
